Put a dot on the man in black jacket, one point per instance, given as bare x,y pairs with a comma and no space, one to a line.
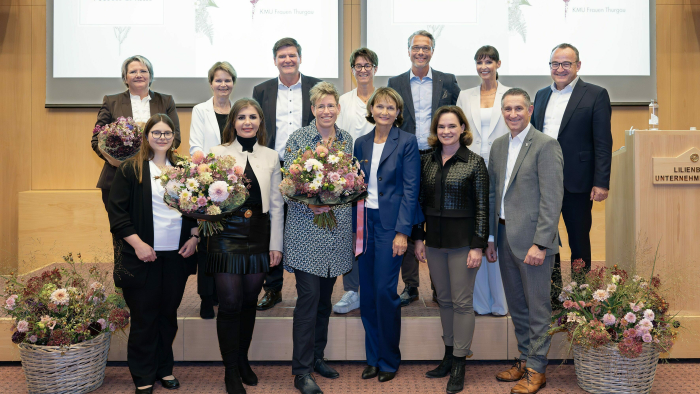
286,106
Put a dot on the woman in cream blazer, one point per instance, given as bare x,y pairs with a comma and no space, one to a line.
241,254
482,107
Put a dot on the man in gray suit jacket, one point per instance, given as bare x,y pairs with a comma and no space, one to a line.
526,171
423,91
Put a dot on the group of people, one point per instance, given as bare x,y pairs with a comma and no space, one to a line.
454,178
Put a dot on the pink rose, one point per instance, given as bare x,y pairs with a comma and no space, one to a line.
198,157
295,169
22,326
10,304
238,170
202,168
233,178
568,304
334,177
202,201
321,151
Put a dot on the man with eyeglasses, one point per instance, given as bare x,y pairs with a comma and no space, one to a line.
423,90
577,114
286,105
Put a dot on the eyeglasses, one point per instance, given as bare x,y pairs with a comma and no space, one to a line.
157,134
416,49
564,65
360,67
330,107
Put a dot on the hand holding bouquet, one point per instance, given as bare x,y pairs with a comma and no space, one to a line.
205,188
325,175
119,140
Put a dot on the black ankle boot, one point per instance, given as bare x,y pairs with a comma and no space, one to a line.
228,329
443,369
456,382
246,336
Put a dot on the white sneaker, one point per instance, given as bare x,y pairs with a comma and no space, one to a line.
349,301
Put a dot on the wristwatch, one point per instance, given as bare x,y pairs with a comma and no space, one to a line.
195,236
540,247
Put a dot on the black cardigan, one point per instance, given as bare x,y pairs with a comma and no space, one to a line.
130,211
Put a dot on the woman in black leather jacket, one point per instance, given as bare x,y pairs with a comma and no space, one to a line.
454,196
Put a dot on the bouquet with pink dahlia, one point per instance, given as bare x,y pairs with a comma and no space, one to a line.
121,139
325,175
206,188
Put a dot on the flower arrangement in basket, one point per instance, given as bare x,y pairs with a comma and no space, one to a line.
62,307
325,175
206,188
121,139
602,308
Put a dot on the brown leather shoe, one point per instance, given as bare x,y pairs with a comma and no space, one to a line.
530,383
514,373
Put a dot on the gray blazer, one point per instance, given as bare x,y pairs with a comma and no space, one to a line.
534,194
445,92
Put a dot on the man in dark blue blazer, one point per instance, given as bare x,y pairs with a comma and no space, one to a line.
577,114
423,91
286,106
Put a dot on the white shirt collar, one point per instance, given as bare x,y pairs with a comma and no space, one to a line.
135,97
429,75
521,136
566,88
280,85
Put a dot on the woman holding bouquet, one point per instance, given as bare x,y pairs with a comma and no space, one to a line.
153,255
454,196
250,243
390,157
137,102
206,132
316,256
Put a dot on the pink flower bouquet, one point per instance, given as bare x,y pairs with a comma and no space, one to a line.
325,175
206,188
121,139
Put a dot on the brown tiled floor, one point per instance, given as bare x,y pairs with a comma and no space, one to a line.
276,378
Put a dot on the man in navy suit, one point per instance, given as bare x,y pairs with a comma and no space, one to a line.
577,114
423,91
286,107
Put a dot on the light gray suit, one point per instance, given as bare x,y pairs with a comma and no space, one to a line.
532,206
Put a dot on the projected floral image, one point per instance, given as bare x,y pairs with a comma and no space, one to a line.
516,19
202,19
120,33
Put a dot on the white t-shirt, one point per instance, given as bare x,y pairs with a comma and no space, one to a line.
167,222
352,115
372,201
485,148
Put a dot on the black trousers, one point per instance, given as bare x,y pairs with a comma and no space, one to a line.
205,282
576,210
311,315
153,309
410,266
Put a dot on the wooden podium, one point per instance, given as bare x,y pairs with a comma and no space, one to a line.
655,201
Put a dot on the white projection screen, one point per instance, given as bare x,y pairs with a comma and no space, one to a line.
616,39
87,41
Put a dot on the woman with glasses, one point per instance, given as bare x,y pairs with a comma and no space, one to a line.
154,246
316,256
390,160
206,132
241,254
353,120
482,107
137,102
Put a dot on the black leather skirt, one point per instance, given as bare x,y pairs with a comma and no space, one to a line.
243,246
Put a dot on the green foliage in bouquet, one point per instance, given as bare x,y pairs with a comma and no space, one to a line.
61,307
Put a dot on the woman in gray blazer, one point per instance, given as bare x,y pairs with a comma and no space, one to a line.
138,102
481,106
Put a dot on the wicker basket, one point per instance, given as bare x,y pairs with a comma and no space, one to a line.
78,368
603,370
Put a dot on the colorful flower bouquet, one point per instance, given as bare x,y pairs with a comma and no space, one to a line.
324,176
602,308
63,307
121,139
206,188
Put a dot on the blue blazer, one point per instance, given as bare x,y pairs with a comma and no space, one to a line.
398,179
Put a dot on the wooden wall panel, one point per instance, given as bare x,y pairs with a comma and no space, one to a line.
685,55
15,115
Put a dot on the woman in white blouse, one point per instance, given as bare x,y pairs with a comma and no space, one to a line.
240,256
482,107
206,129
353,119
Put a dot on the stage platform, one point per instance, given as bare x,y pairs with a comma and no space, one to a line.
494,337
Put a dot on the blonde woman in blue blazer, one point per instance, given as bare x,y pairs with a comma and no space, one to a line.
391,163
482,107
